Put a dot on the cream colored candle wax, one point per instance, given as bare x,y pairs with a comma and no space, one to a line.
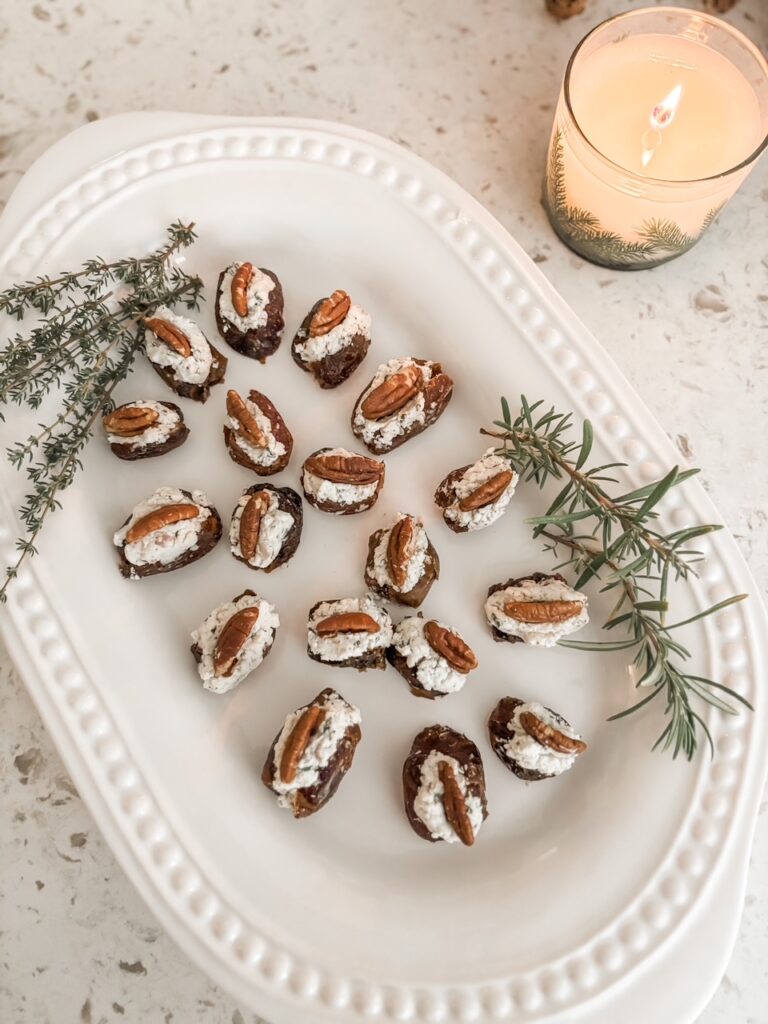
713,119
655,130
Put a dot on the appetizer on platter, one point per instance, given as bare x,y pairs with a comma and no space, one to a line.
182,355
533,741
169,529
256,435
350,632
333,339
144,428
312,753
341,482
444,786
475,496
432,658
233,641
537,610
402,565
266,526
249,310
404,398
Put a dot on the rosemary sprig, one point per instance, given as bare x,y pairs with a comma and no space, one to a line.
83,345
616,538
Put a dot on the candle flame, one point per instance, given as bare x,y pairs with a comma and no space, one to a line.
661,117
663,113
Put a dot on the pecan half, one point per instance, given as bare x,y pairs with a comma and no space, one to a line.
345,469
347,622
241,281
454,804
438,389
450,646
170,334
392,394
536,612
232,638
329,314
488,492
550,737
247,425
159,518
250,522
310,720
130,420
398,555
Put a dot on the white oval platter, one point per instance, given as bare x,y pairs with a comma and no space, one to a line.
575,886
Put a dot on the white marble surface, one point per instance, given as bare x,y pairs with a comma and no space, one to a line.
471,87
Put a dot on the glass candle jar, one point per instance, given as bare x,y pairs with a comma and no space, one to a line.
662,114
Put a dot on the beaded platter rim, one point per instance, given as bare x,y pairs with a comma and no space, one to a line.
201,919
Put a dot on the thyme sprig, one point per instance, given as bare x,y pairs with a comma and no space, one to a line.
617,539
82,346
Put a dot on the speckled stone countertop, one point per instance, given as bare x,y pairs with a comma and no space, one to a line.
472,88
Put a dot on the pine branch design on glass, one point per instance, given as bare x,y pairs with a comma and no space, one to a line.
83,345
657,240
615,540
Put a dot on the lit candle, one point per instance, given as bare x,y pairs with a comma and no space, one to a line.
662,115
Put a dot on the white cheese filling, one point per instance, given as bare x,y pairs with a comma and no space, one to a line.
379,565
251,653
528,752
432,670
428,804
191,369
274,528
536,634
272,450
257,297
313,350
349,645
384,431
159,432
338,494
339,716
487,467
166,545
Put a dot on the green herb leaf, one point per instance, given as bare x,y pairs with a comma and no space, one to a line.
712,610
587,437
598,645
